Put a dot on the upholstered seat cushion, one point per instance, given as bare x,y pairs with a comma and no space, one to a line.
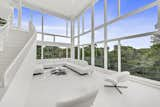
79,69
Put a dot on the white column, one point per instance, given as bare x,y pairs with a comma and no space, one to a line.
42,54
72,40
31,16
158,23
119,8
20,14
78,38
83,23
66,52
119,56
92,38
66,28
105,36
83,53
42,28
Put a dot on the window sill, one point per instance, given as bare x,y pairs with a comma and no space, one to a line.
145,81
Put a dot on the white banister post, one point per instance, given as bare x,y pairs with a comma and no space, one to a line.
92,38
119,56
157,26
119,8
67,52
105,36
78,38
20,14
11,19
42,28
42,52
66,28
156,36
72,40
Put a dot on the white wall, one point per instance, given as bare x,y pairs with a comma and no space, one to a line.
5,9
17,91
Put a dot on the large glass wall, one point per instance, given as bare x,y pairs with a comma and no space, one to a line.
141,57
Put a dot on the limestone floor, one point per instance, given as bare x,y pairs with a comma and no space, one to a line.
46,90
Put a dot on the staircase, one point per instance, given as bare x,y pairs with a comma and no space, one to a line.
13,43
17,60
12,46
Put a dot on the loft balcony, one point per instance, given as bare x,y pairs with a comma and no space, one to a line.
58,52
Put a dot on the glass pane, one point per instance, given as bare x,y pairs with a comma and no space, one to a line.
69,29
99,13
85,39
69,52
112,9
127,5
112,56
26,17
139,23
76,52
81,25
48,38
54,25
99,55
87,20
76,41
81,52
37,20
87,54
99,35
38,52
62,39
15,17
54,52
76,28
141,57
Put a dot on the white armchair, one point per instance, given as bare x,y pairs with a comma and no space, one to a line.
82,101
116,78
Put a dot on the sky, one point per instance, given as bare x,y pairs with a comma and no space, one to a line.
140,23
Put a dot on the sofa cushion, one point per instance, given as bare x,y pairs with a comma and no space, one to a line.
78,68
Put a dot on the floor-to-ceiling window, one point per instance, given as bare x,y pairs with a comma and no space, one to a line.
129,47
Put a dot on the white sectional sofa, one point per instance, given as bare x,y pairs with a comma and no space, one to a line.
78,66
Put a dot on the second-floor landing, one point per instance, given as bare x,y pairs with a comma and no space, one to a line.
68,9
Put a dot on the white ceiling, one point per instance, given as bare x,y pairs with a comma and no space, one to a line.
68,9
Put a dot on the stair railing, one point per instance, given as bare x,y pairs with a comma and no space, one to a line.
15,65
